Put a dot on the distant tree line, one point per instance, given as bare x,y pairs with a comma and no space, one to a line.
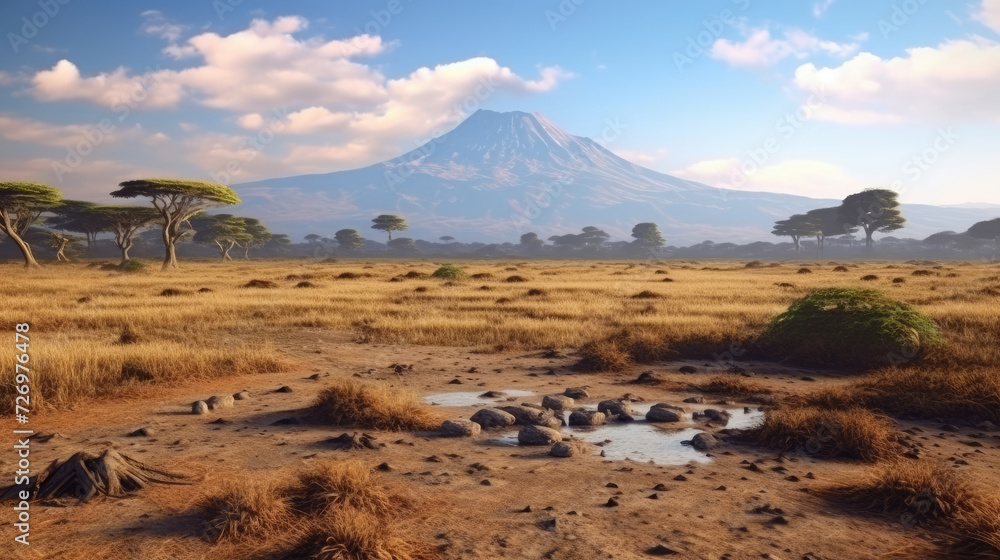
36,213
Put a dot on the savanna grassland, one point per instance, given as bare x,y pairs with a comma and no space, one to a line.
877,435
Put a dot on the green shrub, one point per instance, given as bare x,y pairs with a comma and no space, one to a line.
851,327
450,272
132,265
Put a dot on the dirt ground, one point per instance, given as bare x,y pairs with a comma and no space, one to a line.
708,515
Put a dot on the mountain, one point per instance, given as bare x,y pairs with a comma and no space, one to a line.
498,175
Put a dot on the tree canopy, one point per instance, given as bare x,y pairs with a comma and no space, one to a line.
796,227
21,204
349,239
177,200
647,235
873,210
124,222
390,223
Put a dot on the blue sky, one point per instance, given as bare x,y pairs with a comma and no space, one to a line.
814,98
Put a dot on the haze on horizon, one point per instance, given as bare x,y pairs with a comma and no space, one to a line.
817,99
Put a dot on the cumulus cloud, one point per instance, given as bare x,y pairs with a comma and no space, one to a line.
956,80
115,89
762,49
799,177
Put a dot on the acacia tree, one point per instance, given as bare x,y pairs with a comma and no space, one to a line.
21,203
78,216
124,222
796,227
531,242
647,235
872,210
349,239
257,235
389,223
60,242
224,230
177,200
827,223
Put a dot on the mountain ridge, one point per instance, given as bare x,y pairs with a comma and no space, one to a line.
499,174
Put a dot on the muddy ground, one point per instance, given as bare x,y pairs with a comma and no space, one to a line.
474,491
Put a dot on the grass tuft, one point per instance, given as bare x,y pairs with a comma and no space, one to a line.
374,405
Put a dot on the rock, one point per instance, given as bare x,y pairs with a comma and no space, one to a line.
242,396
459,428
616,410
695,400
199,407
660,550
653,496
703,441
612,502
225,401
576,393
562,449
383,467
527,416
283,389
665,413
455,381
538,435
648,378
688,369
485,482
493,395
142,432
587,418
352,441
660,488
491,418
557,402
680,478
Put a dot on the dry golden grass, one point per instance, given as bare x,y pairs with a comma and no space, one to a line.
923,392
735,386
704,312
247,508
855,433
929,494
374,405
336,510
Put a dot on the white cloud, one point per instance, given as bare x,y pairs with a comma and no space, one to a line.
644,158
821,6
91,179
957,80
761,49
989,14
799,177
20,129
64,83
156,24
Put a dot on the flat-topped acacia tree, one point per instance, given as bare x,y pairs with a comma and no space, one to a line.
21,203
177,200
125,222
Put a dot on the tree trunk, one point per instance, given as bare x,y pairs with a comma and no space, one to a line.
169,238
60,255
798,246
125,249
246,252
225,252
29,258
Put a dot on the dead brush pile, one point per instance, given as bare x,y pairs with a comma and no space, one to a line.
921,493
337,510
853,433
374,405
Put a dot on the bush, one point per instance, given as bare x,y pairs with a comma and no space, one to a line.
929,494
850,327
245,508
617,352
132,265
449,272
374,405
854,433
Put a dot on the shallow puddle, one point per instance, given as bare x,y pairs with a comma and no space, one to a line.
645,441
472,398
